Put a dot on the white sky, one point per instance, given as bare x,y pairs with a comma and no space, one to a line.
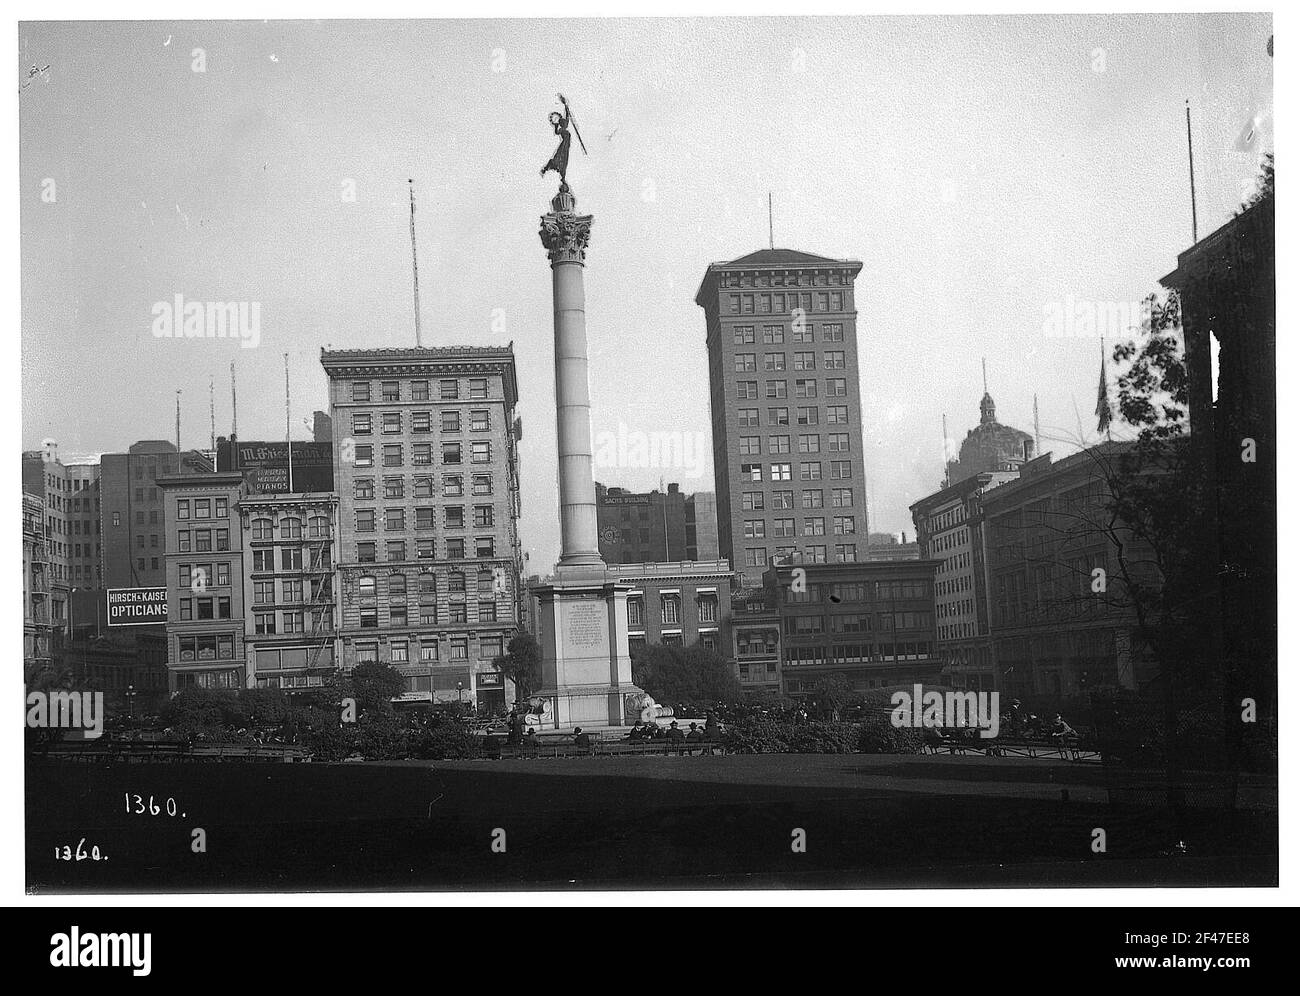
981,168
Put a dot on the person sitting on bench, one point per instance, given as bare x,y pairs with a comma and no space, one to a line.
1061,730
581,739
675,735
695,735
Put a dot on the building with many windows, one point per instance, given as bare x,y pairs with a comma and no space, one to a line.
426,469
655,526
684,603
291,623
204,576
756,623
1056,631
37,635
46,478
781,333
950,530
869,624
131,510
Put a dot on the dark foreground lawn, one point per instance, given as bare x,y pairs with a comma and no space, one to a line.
656,822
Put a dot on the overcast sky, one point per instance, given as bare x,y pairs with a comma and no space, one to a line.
982,169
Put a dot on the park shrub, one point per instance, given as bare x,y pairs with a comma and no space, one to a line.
322,733
768,736
202,711
445,741
382,738
879,736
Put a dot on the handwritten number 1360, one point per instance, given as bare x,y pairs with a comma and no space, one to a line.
152,808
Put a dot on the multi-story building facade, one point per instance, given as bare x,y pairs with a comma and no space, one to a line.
871,624
702,526
204,576
950,530
787,422
291,622
655,526
685,603
1057,632
756,623
45,477
82,516
426,469
134,542
1227,308
37,648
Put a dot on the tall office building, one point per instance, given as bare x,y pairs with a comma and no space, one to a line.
131,510
787,419
426,470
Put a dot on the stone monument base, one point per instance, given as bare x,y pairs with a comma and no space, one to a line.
586,668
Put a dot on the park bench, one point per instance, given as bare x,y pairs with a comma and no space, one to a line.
598,747
1073,747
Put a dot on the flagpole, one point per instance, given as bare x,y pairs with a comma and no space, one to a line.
1191,171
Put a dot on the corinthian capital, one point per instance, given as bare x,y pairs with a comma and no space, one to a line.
565,236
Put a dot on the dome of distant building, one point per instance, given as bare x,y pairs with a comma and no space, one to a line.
990,446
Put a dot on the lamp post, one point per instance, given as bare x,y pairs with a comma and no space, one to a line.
72,634
130,697
460,701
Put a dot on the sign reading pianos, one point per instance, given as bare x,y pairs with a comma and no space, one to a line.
313,464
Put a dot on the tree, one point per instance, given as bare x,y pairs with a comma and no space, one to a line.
522,664
673,673
830,693
374,686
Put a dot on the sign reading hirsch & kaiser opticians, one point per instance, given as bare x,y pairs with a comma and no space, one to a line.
137,606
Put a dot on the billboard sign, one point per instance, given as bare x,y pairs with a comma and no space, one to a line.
137,606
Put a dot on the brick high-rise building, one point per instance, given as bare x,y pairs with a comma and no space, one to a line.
131,510
787,419
426,469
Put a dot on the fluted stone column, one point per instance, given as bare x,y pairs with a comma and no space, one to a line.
565,233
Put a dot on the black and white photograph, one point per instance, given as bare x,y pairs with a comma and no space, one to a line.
573,455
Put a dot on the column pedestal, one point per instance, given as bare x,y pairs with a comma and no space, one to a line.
586,669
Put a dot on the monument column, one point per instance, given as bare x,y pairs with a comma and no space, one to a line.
582,623
565,233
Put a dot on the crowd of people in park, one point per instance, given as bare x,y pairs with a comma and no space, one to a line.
1016,722
710,732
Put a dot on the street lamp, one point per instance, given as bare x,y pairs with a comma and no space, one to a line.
72,636
460,701
130,696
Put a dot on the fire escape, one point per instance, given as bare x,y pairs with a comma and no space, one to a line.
319,575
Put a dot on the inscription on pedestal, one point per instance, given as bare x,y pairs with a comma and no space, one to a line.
587,625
